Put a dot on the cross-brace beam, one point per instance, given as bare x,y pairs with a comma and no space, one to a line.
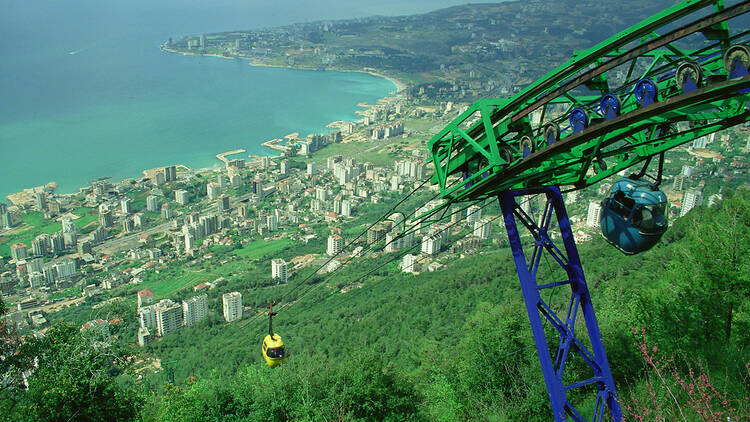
539,311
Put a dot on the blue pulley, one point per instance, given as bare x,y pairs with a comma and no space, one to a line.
645,92
466,176
551,132
578,119
526,146
609,106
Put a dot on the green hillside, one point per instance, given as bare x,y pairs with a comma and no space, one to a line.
455,344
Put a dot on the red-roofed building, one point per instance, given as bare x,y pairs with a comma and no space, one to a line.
98,324
202,286
145,297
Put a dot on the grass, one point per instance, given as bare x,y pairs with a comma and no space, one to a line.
35,224
164,287
170,281
71,292
347,149
166,284
261,248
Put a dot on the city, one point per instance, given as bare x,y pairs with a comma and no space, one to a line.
89,248
386,248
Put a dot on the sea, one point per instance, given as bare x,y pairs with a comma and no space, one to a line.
86,92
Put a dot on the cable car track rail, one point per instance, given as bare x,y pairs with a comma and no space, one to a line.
492,129
669,95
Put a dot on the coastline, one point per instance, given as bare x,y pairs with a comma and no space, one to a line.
272,144
276,150
400,85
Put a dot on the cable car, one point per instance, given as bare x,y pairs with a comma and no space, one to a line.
273,350
633,216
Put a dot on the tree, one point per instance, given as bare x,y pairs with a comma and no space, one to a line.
708,280
12,362
74,378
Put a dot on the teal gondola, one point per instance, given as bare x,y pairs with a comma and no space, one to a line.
633,216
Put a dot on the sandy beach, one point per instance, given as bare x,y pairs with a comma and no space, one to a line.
400,85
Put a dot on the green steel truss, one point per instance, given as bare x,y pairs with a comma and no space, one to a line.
480,154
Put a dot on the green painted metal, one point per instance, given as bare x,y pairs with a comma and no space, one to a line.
478,154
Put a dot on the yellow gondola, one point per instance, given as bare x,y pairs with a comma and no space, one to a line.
273,350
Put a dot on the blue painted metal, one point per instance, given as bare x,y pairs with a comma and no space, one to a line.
609,106
579,120
646,92
466,175
690,85
568,259
551,133
738,69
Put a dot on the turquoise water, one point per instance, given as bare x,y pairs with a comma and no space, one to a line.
85,91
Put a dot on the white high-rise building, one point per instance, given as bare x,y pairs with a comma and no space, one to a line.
335,244
346,208
182,197
195,309
65,268
168,317
473,214
152,203
691,199
393,242
166,211
189,242
408,264
147,316
232,306
278,270
213,190
272,221
594,215
431,244
125,206
482,229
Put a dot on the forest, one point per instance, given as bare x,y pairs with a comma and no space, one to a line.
448,345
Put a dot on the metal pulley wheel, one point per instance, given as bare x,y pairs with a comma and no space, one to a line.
551,132
736,52
579,119
688,70
526,145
